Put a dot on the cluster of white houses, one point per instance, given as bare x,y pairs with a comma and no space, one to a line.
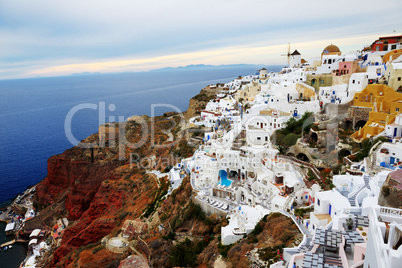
237,173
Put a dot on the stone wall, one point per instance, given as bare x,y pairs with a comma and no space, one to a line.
355,114
209,210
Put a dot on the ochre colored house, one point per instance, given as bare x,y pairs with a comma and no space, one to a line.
385,104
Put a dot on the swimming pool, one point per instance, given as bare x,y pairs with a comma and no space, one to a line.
224,178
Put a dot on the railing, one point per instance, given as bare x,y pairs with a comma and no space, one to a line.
299,162
390,211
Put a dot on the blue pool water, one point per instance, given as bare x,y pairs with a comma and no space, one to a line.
224,178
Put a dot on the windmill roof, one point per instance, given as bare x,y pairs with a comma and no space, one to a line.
295,53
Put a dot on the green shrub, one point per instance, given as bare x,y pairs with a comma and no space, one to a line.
123,215
386,190
97,249
290,139
223,250
185,254
168,168
169,236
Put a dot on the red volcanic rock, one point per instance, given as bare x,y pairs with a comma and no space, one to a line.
62,172
75,180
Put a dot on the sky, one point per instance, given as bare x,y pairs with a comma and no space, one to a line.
52,38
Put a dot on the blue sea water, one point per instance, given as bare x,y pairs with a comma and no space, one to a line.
13,256
33,112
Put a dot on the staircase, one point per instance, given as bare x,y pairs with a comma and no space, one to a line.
237,143
367,181
333,260
352,199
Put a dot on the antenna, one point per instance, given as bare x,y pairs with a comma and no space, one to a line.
288,55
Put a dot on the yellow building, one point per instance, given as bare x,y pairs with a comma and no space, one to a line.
385,104
392,55
248,92
393,75
305,91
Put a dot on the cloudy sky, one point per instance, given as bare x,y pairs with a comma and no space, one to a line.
50,38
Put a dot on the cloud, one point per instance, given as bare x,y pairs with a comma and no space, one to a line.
48,34
227,55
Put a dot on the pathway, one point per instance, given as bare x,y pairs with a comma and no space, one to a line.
301,225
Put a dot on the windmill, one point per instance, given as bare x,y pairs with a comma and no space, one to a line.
288,55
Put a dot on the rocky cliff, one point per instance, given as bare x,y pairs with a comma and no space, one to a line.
198,103
102,193
99,190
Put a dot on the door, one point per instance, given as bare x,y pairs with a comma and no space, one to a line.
392,160
295,113
395,130
330,207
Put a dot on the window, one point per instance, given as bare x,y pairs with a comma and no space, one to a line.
318,201
258,138
393,47
279,125
266,138
397,109
399,78
353,81
321,81
344,66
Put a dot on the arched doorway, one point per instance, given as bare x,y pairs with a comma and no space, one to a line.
233,174
360,124
314,137
303,157
313,81
348,125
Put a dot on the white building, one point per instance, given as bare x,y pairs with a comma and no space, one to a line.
394,129
242,222
329,206
384,238
389,155
329,63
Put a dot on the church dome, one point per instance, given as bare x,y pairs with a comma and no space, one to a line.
331,49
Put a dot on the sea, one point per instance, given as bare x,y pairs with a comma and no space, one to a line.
33,114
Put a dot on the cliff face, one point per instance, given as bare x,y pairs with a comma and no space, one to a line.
99,192
391,190
198,103
75,180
